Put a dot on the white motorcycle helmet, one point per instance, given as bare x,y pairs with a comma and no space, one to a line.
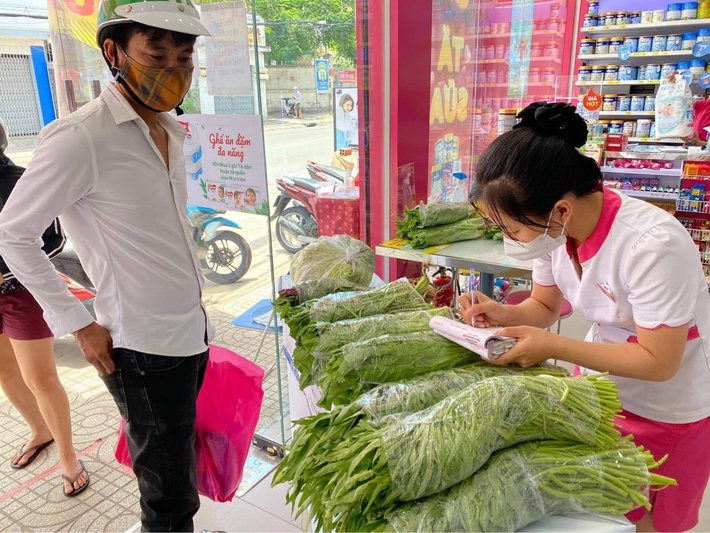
174,15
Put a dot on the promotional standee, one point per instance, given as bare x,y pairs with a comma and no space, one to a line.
345,120
224,157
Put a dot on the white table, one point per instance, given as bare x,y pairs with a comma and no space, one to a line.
487,257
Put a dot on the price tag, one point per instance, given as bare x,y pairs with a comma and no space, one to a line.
592,101
701,49
704,80
624,52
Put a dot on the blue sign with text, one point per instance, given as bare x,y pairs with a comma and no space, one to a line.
322,76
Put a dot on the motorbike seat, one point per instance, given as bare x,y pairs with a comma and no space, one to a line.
307,183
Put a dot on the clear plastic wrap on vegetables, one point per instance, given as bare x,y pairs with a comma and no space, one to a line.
325,431
334,335
311,290
434,214
464,230
396,297
339,256
522,484
407,457
384,359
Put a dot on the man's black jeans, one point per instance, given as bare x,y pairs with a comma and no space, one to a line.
157,396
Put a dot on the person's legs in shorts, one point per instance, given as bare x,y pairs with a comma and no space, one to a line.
157,396
674,508
33,345
23,400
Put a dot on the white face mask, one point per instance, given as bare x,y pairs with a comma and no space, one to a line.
536,248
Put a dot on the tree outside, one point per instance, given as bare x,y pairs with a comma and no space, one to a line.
298,30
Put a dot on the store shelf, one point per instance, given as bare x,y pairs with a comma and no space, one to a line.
659,156
641,171
546,60
700,235
541,33
507,85
693,206
651,140
616,83
665,28
626,114
639,58
649,195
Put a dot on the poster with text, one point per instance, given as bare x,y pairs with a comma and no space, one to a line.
520,47
224,162
322,76
452,93
227,50
345,123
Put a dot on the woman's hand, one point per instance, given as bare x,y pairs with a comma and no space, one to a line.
534,346
481,311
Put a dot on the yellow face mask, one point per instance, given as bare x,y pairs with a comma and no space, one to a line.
158,89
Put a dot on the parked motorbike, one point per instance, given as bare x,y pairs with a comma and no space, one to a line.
326,173
288,106
70,269
296,225
225,255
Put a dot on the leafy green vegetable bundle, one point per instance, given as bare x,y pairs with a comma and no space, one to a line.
407,457
339,256
396,297
463,230
435,214
311,290
386,359
522,484
318,433
321,341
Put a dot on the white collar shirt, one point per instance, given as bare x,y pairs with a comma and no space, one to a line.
125,214
641,269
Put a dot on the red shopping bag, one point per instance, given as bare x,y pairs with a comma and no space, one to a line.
228,408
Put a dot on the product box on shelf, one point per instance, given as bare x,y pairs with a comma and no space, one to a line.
616,142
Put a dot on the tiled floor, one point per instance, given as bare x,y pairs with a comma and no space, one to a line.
31,500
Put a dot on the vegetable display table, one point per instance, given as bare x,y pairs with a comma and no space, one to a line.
484,256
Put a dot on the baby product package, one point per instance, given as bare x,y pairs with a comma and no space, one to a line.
674,108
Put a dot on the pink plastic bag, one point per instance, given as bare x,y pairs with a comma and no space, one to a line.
228,408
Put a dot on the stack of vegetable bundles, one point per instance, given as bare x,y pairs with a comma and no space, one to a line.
443,223
421,435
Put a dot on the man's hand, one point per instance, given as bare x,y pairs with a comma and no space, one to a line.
96,344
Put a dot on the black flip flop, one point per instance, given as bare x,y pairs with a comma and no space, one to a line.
22,452
76,492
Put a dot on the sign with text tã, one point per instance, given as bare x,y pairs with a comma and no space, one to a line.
225,163
322,76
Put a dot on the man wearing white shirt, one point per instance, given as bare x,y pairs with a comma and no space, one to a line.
114,171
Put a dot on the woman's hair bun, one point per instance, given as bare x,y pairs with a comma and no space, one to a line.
558,119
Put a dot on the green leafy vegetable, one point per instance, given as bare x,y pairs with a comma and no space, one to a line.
339,256
320,342
325,431
530,481
463,230
396,297
311,290
435,214
385,359
407,457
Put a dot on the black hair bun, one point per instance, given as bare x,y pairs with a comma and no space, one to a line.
558,119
